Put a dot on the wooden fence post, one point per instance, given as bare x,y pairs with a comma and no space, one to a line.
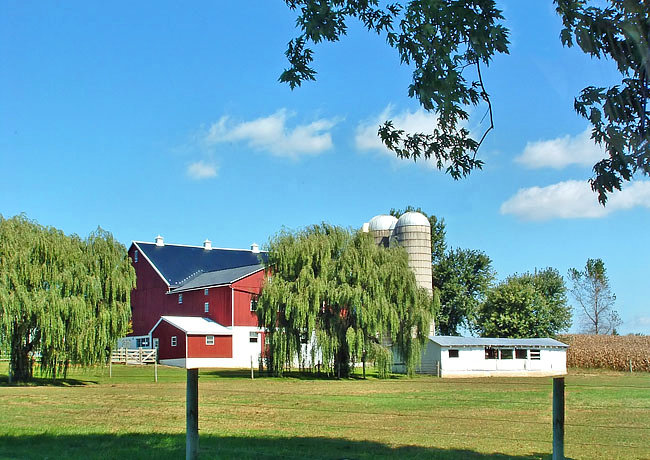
558,418
252,376
192,415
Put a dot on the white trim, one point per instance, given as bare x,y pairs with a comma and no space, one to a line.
142,253
179,289
156,325
195,363
232,306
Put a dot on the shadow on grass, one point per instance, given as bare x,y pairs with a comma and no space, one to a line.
161,446
46,381
297,375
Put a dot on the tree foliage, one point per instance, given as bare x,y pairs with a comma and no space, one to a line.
528,305
591,289
61,297
447,42
619,31
463,277
346,296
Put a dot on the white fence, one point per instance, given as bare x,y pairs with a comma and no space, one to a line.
134,356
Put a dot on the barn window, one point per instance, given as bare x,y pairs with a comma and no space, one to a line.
135,255
206,307
209,340
155,342
253,304
180,298
506,353
453,353
521,354
205,291
491,353
174,341
535,354
252,337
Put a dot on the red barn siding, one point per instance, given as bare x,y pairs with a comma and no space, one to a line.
222,348
148,299
220,309
245,290
163,333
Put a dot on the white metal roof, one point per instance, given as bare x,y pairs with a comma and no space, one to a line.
412,218
453,341
382,222
195,325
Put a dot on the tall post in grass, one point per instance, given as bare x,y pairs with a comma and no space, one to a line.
192,415
558,418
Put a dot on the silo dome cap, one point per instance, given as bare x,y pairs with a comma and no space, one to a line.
412,218
382,222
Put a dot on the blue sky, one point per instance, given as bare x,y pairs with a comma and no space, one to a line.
162,118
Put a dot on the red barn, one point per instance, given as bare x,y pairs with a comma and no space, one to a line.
194,292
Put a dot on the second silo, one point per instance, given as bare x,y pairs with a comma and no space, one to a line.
381,227
413,232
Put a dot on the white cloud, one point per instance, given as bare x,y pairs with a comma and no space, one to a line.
272,134
561,152
420,121
642,320
573,199
200,170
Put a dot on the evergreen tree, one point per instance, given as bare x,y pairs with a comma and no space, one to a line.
346,294
61,297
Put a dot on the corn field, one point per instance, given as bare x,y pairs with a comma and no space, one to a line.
608,351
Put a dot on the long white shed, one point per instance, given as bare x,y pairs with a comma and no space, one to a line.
449,356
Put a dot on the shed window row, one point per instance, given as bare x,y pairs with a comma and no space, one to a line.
510,353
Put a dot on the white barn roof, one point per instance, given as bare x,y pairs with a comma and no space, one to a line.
453,341
195,325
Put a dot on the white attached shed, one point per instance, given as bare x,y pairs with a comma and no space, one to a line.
449,356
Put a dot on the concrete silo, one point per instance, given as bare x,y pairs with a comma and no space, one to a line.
413,233
382,227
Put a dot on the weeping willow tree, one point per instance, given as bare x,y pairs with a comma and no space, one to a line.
61,298
346,296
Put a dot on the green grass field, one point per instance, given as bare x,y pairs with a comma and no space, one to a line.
129,416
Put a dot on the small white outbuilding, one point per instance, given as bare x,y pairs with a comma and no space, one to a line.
449,356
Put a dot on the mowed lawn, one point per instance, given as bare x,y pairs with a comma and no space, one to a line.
130,416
